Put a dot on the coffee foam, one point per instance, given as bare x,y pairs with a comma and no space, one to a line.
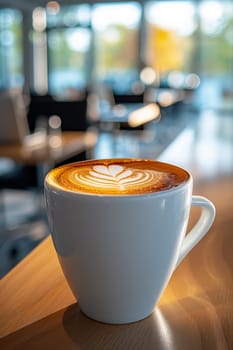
117,176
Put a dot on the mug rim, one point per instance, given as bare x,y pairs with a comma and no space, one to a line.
67,192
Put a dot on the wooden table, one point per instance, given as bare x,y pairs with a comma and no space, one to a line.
71,143
46,155
38,310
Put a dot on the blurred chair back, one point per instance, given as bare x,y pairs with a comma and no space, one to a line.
13,118
73,114
129,98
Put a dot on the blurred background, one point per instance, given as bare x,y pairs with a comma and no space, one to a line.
96,59
57,47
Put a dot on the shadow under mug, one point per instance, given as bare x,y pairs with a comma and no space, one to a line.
119,252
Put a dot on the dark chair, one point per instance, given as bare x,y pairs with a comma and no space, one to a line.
129,98
73,114
20,177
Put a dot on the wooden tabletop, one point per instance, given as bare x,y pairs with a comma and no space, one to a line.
38,311
52,150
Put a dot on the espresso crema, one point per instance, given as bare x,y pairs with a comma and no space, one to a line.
117,176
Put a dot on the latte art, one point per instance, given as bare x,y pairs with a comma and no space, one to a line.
117,177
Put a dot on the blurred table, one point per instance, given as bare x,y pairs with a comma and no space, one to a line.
47,154
70,143
129,115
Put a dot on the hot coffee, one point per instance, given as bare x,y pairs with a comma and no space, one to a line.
117,176
119,229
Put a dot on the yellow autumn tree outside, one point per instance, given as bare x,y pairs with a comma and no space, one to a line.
166,49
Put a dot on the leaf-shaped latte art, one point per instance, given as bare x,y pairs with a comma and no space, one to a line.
116,177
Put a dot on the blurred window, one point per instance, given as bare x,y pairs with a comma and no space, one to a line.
111,42
11,48
68,56
116,44
216,53
216,26
68,16
170,28
69,43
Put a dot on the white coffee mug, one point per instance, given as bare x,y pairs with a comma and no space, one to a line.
118,252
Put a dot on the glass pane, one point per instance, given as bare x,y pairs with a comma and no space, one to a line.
11,55
69,16
216,53
67,53
170,28
116,42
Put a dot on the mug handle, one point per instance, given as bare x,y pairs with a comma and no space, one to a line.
200,228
